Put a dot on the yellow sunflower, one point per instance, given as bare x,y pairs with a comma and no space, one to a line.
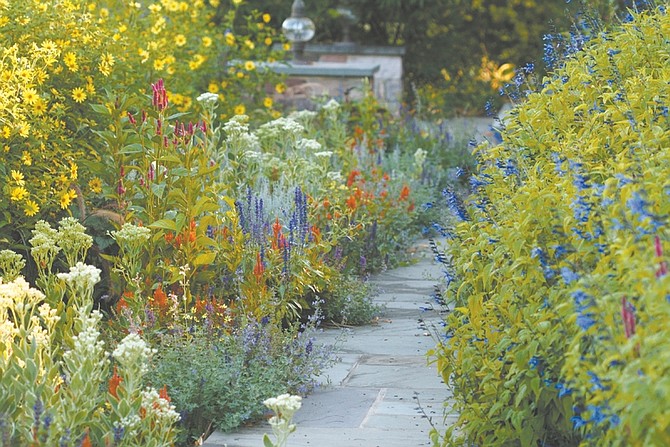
31,208
78,94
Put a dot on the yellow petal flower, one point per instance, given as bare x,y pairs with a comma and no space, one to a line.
78,94
17,194
31,208
17,177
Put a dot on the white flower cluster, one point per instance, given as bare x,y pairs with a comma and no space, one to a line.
331,106
253,155
335,176
159,407
310,145
238,135
236,125
86,343
208,98
17,294
302,116
133,352
37,332
129,424
72,236
11,264
81,276
48,314
284,406
281,127
324,154
7,333
131,234
44,247
244,140
420,157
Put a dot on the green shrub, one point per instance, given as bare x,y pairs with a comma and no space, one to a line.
219,380
350,302
559,331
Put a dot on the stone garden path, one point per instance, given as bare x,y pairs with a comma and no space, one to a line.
383,393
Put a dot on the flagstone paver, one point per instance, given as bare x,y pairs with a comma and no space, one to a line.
383,393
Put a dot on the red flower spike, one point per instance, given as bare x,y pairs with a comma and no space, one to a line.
352,177
663,265
159,99
404,193
114,382
351,202
163,393
316,233
160,298
259,268
628,317
86,442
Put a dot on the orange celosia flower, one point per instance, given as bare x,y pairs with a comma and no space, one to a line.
200,305
404,193
329,216
114,382
352,177
276,232
169,237
259,268
162,393
326,203
410,208
120,305
160,298
86,442
316,233
351,202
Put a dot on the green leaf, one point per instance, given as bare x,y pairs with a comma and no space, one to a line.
100,108
133,148
204,259
164,224
267,442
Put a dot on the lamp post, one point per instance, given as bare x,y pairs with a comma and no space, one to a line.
298,29
346,18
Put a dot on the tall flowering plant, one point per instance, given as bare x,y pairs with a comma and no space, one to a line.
53,377
53,85
559,273
156,168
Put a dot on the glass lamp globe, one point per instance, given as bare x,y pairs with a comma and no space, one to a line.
298,29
